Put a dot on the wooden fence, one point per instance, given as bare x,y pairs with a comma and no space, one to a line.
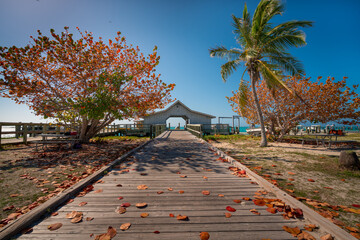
24,131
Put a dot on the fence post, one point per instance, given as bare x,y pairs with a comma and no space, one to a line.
0,134
25,130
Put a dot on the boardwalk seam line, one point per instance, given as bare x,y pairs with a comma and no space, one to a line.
314,217
29,218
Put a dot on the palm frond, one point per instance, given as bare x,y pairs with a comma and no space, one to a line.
290,25
271,77
223,52
242,31
286,62
228,68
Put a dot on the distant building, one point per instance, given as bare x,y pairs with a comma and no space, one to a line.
178,109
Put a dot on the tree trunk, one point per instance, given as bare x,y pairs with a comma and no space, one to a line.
254,76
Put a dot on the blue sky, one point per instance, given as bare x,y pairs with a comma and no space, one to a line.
184,31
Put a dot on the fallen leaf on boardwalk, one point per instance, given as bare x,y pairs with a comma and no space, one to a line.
111,232
254,211
327,237
178,172
293,231
291,173
182,218
246,199
69,201
143,174
204,235
206,192
289,190
54,226
120,198
77,218
305,236
171,215
54,214
311,180
120,210
119,185
156,232
142,187
71,214
271,210
89,218
82,204
205,177
309,227
160,192
227,215
170,189
291,179
183,176
144,215
100,181
266,175
221,195
259,202
237,201
125,205
230,209
98,191
181,191
125,226
141,205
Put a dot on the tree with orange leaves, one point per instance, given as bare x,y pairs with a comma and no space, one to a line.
319,102
84,82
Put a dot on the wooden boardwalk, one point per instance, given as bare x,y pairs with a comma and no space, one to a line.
157,166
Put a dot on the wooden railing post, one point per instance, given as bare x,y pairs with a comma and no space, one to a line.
25,131
0,134
32,134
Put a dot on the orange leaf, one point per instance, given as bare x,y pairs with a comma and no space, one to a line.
254,211
237,201
230,209
54,226
271,210
294,231
259,202
125,226
141,205
181,191
160,192
204,235
227,215
311,180
171,215
144,215
206,192
82,204
221,195
142,187
182,218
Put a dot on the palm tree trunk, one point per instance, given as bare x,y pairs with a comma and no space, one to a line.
254,77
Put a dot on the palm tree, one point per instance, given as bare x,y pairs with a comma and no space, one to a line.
263,51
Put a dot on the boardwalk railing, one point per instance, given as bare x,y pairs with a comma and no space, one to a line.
195,129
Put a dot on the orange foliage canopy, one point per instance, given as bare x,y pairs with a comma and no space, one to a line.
317,102
87,82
